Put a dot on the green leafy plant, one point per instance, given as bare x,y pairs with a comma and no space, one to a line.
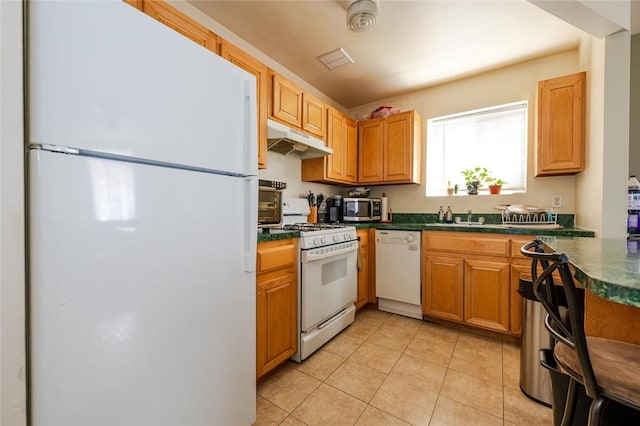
478,176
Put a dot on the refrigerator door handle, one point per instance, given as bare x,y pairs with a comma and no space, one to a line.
251,222
251,127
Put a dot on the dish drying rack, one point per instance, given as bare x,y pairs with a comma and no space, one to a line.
538,217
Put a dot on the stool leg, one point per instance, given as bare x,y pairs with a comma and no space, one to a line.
596,410
570,403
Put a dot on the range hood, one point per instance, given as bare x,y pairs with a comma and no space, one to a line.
285,140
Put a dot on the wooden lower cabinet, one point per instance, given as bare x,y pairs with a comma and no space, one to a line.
473,279
443,297
276,304
363,270
486,293
519,269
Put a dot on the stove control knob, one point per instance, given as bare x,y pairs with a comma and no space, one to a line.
336,238
324,240
410,238
316,241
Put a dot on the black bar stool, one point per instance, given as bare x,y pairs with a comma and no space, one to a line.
608,369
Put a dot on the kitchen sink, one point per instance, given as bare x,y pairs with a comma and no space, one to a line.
467,224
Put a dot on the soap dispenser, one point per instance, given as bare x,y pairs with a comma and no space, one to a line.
448,218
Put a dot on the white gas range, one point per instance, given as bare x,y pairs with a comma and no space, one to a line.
327,277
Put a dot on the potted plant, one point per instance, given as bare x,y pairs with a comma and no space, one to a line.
450,189
495,186
475,179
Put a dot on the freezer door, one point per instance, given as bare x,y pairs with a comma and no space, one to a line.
140,308
104,76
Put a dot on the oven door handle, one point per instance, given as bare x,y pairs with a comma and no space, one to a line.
316,254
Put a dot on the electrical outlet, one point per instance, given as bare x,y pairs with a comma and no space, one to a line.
556,201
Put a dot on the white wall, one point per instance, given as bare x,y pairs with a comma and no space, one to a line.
590,193
12,287
286,168
222,31
601,189
510,84
634,108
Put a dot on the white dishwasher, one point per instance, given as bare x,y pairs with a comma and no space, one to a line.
398,272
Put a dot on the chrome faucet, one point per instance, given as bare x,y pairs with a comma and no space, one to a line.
469,216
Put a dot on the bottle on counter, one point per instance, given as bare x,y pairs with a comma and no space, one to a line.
633,206
440,215
448,216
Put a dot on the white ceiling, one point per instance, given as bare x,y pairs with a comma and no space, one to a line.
416,43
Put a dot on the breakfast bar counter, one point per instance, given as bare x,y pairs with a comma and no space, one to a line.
607,268
610,271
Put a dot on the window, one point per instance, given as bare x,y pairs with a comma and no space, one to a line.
495,138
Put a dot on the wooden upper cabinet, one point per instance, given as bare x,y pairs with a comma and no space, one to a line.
336,138
179,22
286,102
350,162
339,167
313,116
371,151
248,63
389,149
561,125
399,148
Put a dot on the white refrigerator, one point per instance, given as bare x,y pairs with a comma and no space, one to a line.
142,223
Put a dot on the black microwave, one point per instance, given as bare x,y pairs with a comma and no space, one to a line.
361,209
270,203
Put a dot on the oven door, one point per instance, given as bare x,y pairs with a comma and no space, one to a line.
328,282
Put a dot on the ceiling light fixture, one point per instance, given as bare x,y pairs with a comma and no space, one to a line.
362,15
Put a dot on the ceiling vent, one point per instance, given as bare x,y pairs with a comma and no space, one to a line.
362,15
335,58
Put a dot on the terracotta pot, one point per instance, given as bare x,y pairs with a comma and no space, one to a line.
494,189
449,191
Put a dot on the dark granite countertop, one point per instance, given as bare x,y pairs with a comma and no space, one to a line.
607,268
489,228
276,234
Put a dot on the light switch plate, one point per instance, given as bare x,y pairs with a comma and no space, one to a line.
556,201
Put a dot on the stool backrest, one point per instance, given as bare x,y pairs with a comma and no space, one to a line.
546,290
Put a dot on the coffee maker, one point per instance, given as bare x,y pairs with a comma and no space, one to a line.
333,212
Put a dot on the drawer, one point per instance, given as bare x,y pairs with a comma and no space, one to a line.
454,242
517,243
276,254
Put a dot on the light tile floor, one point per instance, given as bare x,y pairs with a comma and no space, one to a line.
387,369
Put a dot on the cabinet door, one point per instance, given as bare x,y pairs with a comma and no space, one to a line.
371,151
286,101
276,313
486,293
519,269
398,148
363,270
561,112
350,160
336,141
238,57
181,23
442,287
313,116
